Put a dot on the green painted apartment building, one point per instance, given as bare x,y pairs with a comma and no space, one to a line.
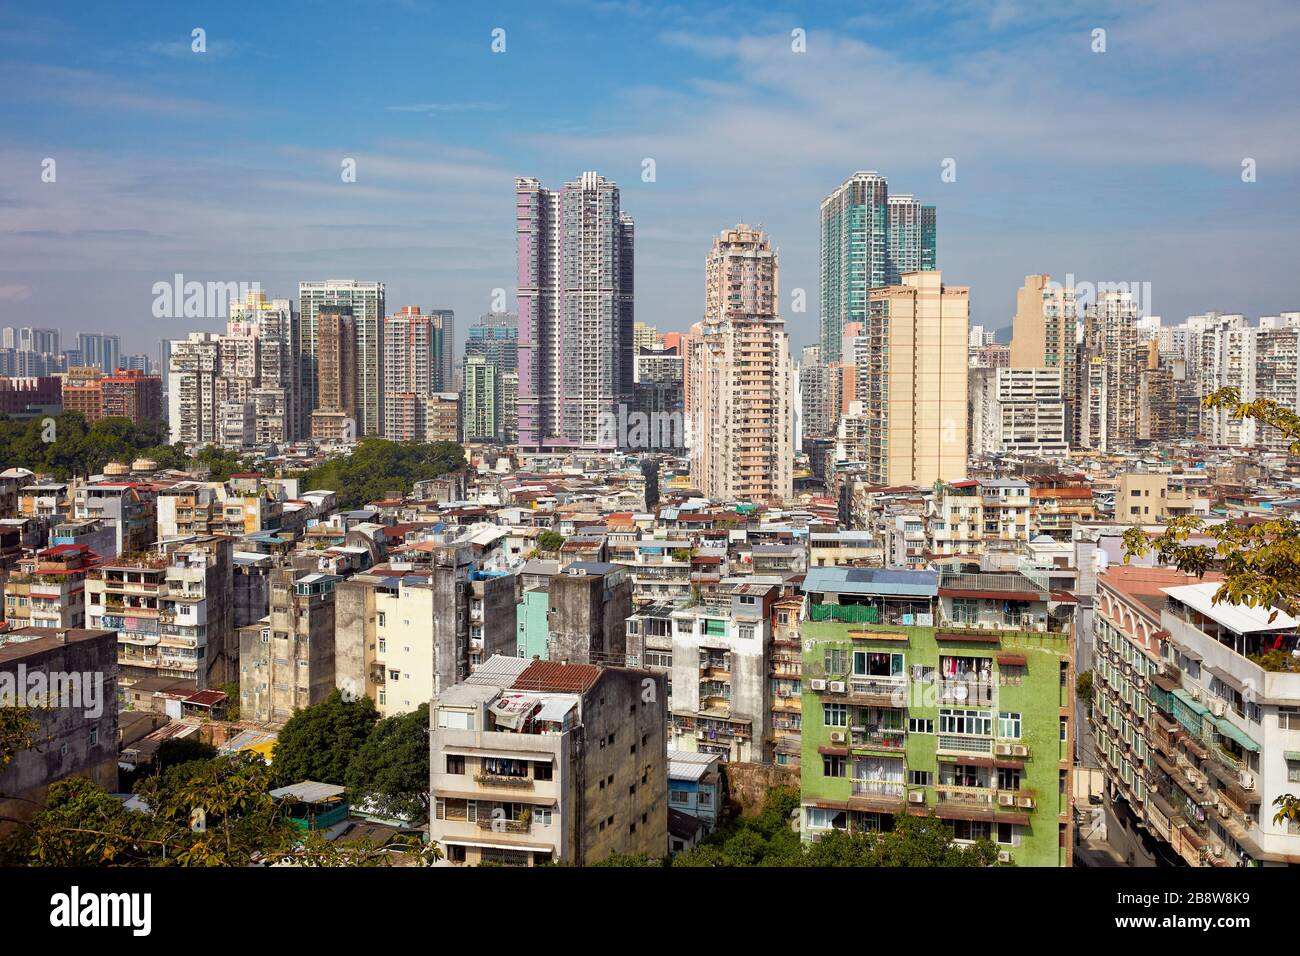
939,692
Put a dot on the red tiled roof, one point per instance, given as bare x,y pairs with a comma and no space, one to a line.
557,677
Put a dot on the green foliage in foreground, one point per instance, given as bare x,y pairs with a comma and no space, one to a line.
379,469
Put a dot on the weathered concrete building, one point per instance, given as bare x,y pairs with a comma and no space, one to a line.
539,761
286,661
74,671
589,606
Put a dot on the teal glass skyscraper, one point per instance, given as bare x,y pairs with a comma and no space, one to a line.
868,240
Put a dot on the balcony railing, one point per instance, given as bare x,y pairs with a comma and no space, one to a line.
878,788
964,744
498,780
884,739
894,688
504,826
976,796
977,693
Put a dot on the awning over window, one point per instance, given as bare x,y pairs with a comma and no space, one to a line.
1232,732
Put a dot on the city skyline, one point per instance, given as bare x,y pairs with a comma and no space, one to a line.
433,172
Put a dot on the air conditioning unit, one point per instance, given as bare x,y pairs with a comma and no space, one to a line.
1025,803
1002,750
1195,693
699,735
837,687
817,684
837,737
1019,750
1218,708
1004,856
1247,780
1006,800
1216,851
916,796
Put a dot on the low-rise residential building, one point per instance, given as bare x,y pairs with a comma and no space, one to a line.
978,516
695,787
720,674
172,610
1196,716
49,588
589,603
948,695
286,660
540,761
76,716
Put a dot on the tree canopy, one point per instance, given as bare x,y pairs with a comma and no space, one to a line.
67,446
378,469
390,771
318,742
216,812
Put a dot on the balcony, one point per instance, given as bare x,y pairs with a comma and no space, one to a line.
964,744
505,826
972,692
886,691
508,783
965,796
878,739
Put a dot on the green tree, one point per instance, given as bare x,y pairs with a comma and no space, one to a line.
1083,687
911,842
378,469
179,750
550,541
204,813
318,742
391,769
1260,562
18,732
630,859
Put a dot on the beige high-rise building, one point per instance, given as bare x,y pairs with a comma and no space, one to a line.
914,381
1044,333
335,417
741,424
1108,414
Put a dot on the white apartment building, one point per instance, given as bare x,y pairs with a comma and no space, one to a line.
1018,411
977,516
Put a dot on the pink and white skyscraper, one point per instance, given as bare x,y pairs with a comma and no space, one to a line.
576,337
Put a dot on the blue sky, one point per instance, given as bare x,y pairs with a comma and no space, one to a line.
225,166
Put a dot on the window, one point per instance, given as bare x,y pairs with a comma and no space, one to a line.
1006,834
382,619
1009,725
833,766
542,770
680,797
920,725
455,764
1008,778
837,661
94,737
745,632
818,818
835,715
970,829
704,798
1288,718
877,664
976,722
1293,771
965,610
920,778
